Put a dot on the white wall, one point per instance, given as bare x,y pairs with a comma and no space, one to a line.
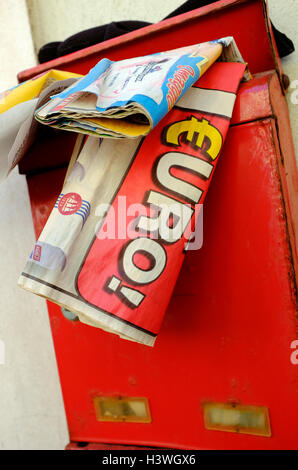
55,20
284,15
31,408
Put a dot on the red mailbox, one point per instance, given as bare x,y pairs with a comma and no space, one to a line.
222,374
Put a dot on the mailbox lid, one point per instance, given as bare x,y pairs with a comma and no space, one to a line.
246,20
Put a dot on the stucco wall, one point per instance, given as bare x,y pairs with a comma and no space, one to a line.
31,407
55,20
284,15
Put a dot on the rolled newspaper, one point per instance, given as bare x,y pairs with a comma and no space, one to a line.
113,246
129,97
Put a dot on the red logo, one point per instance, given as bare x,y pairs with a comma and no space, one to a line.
69,204
176,84
37,253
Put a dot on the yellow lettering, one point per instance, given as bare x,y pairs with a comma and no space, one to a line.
197,131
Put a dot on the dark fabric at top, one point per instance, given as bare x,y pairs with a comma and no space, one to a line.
99,34
87,38
189,6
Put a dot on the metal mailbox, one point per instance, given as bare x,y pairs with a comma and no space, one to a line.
220,375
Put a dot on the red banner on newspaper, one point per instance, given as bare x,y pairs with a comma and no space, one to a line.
131,274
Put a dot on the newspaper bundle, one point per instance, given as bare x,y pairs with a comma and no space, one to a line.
129,97
113,246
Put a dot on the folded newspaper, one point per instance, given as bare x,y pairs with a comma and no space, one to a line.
129,97
113,246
